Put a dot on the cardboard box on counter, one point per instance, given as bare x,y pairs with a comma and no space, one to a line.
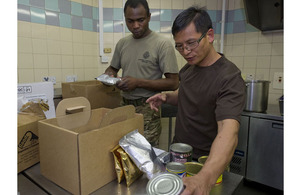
28,144
75,148
98,94
35,102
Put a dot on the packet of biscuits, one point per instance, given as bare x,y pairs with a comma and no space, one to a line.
131,171
118,163
125,167
33,104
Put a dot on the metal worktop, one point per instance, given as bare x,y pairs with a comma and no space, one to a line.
272,113
227,187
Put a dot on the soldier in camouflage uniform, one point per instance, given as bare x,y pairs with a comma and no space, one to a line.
144,57
152,124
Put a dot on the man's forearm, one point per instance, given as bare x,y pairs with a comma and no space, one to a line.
164,84
221,151
172,98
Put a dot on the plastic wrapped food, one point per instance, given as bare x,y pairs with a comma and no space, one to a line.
142,154
107,80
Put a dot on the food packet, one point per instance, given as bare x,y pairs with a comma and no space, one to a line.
107,80
37,104
118,163
142,154
162,155
131,171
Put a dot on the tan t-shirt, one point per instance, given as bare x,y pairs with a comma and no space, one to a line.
148,58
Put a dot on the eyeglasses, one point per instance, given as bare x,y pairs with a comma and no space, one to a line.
191,45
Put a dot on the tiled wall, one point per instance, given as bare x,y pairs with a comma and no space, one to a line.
60,38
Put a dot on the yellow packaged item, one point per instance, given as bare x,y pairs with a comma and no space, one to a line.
131,171
118,164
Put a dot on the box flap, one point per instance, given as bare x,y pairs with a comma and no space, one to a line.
117,115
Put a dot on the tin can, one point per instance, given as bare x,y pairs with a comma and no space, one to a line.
180,152
176,168
202,160
192,168
165,184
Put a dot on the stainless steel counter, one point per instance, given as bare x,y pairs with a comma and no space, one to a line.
227,187
272,113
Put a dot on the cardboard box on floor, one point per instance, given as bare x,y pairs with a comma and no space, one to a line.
28,144
75,148
98,94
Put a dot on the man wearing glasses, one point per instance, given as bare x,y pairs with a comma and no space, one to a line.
210,99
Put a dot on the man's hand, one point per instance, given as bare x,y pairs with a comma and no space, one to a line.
195,185
156,101
128,83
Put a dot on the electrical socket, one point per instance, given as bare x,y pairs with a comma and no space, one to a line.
278,80
104,59
250,76
50,79
71,78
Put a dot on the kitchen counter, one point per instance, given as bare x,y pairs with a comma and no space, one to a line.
273,113
39,182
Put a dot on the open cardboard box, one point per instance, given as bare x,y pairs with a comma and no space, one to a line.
98,94
75,148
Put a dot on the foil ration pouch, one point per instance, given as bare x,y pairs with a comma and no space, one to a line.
118,164
142,154
106,79
130,170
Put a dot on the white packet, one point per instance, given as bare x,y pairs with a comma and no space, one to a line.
142,154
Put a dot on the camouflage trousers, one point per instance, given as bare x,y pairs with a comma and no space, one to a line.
152,123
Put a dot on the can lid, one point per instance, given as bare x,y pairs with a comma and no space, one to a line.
175,166
181,147
193,167
165,184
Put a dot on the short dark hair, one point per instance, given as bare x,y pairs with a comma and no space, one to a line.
194,14
135,3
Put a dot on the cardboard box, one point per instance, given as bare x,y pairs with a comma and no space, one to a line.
98,94
77,156
28,144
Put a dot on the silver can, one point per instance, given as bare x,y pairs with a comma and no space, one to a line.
165,184
181,152
176,168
